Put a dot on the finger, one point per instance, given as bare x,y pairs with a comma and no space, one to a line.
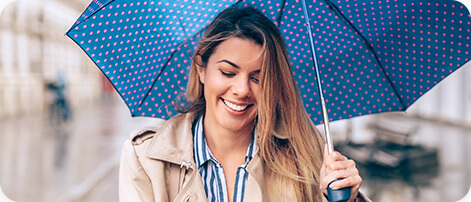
341,165
335,161
340,174
336,156
323,169
354,182
355,189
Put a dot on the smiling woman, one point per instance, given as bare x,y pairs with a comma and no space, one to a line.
245,136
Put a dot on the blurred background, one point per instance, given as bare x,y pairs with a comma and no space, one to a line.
62,125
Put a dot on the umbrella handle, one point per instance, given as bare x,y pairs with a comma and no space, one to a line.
338,195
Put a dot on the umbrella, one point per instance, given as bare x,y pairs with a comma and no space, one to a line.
374,56
370,56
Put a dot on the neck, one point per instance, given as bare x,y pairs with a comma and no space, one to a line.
227,144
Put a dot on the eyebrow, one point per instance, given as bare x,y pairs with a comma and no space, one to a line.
234,65
229,62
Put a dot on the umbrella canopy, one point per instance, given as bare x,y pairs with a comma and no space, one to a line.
374,56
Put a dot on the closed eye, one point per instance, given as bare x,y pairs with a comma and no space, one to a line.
255,76
255,79
228,74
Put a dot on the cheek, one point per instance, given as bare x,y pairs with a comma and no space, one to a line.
214,85
256,92
257,96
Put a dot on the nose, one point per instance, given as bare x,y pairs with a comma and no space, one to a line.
241,87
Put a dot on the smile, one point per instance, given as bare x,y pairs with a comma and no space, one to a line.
234,106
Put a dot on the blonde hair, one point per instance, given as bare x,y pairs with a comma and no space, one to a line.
289,143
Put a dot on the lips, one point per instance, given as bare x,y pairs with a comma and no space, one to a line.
235,107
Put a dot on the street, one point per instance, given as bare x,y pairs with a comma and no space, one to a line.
75,161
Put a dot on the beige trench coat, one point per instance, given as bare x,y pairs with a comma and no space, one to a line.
157,165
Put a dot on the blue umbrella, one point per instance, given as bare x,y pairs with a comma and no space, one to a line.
371,56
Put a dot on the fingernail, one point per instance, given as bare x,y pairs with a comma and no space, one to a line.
331,186
320,187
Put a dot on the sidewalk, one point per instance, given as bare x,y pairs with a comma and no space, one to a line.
78,161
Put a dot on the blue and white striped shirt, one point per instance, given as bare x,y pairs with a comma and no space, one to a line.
212,172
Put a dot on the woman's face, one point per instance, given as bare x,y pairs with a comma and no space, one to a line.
231,87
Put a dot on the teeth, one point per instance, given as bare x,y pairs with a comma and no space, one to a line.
235,107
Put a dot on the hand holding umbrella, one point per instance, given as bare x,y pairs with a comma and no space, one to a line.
337,166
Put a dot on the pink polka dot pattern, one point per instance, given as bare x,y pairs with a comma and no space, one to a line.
417,43
94,6
381,56
144,46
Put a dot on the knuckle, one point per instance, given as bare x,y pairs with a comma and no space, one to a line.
334,166
336,173
336,154
352,163
325,181
349,181
357,172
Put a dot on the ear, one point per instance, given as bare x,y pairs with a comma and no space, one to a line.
201,70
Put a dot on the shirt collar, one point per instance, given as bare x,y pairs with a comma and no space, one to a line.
201,149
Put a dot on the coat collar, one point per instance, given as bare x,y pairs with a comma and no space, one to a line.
174,142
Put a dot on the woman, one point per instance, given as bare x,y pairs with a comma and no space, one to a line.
245,136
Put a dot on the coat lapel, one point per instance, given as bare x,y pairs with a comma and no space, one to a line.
175,142
255,181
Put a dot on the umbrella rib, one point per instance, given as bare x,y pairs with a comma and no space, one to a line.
160,73
368,44
280,14
166,63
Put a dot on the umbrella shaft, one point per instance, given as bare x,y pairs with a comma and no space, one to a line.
328,137
325,116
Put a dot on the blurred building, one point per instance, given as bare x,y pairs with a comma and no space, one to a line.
34,51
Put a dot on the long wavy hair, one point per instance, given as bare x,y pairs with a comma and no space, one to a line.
289,143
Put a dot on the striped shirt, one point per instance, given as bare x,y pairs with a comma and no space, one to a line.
212,172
